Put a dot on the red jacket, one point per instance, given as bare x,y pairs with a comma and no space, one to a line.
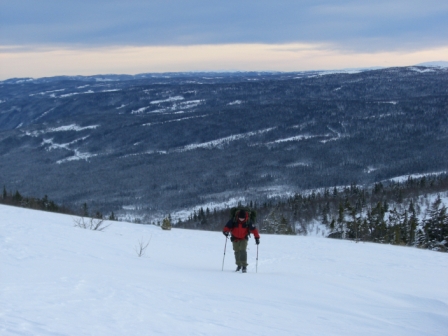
241,229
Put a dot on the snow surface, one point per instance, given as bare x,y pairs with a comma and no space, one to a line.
57,279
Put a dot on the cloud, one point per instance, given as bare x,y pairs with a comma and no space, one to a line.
359,26
42,62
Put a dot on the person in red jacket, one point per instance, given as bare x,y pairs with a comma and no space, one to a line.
240,228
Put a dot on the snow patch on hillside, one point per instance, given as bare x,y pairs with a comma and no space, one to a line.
298,164
50,145
295,138
435,64
46,92
421,70
223,141
74,94
168,100
140,110
175,120
72,127
77,156
67,128
404,178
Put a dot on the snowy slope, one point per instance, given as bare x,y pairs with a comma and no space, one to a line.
57,279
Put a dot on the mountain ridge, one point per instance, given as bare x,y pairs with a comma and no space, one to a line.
166,143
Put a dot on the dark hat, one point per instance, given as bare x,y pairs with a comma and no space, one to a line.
242,214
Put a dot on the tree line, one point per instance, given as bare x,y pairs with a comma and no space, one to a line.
45,204
400,213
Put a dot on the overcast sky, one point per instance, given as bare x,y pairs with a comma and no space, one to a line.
57,37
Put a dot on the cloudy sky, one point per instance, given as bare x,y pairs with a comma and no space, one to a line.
84,37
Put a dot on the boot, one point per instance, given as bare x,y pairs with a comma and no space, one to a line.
238,269
244,269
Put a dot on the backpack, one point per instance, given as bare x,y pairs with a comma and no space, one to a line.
236,210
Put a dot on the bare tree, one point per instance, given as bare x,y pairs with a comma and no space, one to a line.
96,224
140,249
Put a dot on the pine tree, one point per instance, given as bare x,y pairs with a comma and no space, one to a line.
166,224
85,210
112,217
436,225
412,224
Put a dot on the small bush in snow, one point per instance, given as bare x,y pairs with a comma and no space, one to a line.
140,249
96,224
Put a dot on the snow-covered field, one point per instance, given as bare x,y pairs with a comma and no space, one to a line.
57,279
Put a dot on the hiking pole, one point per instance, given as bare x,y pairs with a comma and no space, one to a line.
225,245
256,267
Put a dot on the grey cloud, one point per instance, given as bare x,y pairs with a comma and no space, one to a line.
372,26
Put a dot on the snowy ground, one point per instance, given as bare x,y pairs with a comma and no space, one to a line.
57,279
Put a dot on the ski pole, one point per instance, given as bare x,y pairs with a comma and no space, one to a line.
225,245
256,267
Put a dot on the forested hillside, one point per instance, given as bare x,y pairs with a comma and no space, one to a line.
158,143
413,213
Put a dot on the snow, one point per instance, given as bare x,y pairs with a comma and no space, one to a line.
66,128
44,114
74,93
421,70
111,90
223,141
72,127
389,102
52,145
77,156
140,110
184,214
171,99
404,178
44,93
58,279
298,164
295,138
436,64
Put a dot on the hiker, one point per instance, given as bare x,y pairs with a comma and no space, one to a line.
240,227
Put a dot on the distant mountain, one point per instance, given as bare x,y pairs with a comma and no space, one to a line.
440,64
164,142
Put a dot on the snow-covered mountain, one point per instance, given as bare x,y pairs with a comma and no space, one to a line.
58,279
437,64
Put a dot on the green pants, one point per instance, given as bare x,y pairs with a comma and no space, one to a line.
239,247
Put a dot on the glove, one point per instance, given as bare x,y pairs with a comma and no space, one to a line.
257,241
225,233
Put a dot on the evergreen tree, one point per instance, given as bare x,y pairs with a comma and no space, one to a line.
412,224
85,210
